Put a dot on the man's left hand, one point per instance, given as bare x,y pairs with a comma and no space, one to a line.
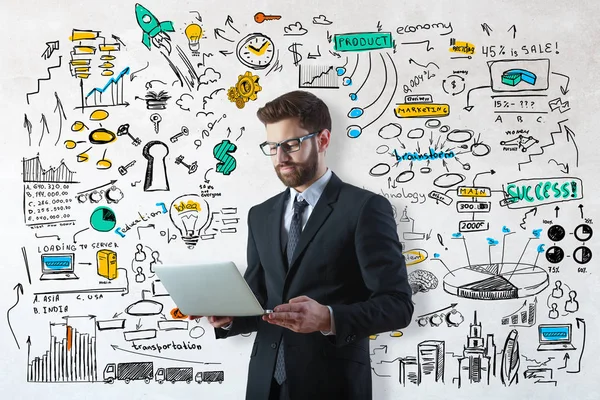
302,314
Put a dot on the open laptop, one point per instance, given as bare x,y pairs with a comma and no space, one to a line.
554,337
212,289
58,266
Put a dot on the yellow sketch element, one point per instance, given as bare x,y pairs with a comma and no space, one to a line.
462,47
82,35
83,157
107,65
190,205
84,50
396,334
98,115
106,261
107,57
109,47
248,86
373,337
467,191
260,51
70,144
107,72
177,314
194,33
82,69
421,110
103,163
414,256
78,126
80,62
102,136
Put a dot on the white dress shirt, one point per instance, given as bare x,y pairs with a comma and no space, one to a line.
311,195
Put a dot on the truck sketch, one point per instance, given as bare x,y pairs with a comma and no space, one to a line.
209,376
175,374
132,371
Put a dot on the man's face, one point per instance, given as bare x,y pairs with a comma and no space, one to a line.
297,168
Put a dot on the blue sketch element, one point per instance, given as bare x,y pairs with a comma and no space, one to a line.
540,248
512,77
537,232
457,234
353,96
157,31
340,71
347,81
113,80
355,112
436,255
492,241
353,131
505,229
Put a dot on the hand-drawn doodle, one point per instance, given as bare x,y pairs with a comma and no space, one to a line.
244,90
227,163
255,51
71,356
156,170
260,17
321,20
295,29
190,214
193,33
154,32
193,167
18,288
39,81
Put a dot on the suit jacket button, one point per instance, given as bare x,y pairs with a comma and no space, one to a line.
273,345
348,338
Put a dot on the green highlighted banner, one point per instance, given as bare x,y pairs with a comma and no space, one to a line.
362,41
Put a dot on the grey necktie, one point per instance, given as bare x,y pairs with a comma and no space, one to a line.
293,238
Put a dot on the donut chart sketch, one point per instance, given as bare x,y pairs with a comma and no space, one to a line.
496,281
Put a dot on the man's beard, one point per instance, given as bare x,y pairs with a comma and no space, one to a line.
302,172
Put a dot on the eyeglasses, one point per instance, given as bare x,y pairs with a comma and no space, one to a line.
289,145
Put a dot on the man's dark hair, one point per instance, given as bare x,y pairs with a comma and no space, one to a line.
312,112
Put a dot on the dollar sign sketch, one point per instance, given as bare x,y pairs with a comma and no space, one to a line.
453,84
294,50
221,152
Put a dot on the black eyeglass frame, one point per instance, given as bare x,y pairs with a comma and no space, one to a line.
277,145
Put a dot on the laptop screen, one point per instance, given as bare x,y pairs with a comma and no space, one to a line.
555,333
52,263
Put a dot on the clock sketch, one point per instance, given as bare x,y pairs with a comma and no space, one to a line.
255,51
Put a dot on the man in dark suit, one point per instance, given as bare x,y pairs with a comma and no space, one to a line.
325,256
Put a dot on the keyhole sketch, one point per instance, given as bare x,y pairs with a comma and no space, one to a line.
156,170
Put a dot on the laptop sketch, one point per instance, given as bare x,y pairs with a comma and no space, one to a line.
209,289
554,337
58,266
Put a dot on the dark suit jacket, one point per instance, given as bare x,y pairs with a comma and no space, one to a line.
350,258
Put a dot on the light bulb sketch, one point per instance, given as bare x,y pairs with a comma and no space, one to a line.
194,34
190,214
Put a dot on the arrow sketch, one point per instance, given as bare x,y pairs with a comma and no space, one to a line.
115,347
61,116
19,288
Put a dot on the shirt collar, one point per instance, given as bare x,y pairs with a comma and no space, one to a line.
314,191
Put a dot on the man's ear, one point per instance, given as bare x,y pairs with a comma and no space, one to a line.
324,139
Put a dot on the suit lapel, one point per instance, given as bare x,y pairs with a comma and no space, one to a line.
275,222
318,216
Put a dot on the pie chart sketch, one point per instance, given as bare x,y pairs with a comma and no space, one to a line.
583,232
582,255
496,281
103,219
555,254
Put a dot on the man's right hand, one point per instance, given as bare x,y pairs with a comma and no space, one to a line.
216,322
